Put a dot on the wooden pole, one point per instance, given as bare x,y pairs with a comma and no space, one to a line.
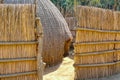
39,56
75,7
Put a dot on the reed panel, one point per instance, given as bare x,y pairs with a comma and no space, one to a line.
27,77
94,58
88,35
16,24
20,46
117,68
18,67
83,48
97,43
95,18
91,72
18,51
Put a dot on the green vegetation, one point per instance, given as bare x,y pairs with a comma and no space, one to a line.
66,6
108,4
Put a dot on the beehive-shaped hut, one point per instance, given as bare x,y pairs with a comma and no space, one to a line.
57,35
97,44
20,47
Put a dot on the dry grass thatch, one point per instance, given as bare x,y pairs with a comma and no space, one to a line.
72,24
56,32
92,35
96,53
57,35
93,47
93,71
97,43
96,71
95,18
20,58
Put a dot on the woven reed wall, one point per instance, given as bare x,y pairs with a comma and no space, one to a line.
18,43
95,18
57,36
97,43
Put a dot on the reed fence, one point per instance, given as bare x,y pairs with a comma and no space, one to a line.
20,47
97,43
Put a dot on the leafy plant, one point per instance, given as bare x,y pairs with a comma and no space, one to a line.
66,6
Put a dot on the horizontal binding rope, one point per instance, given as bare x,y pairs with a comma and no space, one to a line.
102,42
18,42
95,30
96,65
17,59
96,53
17,74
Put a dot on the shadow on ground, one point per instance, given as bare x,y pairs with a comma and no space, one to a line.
51,69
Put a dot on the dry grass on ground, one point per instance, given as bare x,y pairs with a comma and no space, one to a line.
65,71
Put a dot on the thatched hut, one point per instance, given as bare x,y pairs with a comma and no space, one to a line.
20,43
57,35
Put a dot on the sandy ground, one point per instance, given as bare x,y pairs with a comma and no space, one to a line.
65,71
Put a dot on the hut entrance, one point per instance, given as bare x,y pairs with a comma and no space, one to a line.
20,50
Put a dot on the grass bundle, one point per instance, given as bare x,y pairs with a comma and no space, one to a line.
117,46
117,68
117,20
117,38
98,18
93,47
91,35
117,56
30,77
18,43
22,22
96,71
95,18
94,52
97,43
93,71
57,36
94,58
72,23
